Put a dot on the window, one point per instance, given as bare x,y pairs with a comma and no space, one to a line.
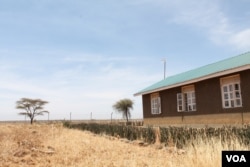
231,92
186,100
155,103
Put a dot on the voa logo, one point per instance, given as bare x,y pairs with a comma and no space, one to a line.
236,158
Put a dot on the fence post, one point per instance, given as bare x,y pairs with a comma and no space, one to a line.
157,135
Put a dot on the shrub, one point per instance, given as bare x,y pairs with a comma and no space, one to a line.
177,136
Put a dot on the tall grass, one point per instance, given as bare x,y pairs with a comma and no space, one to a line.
201,147
205,153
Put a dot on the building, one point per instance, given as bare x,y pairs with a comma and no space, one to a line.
217,93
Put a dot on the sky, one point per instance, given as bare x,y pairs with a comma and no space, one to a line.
82,56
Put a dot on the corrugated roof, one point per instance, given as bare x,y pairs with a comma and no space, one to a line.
201,73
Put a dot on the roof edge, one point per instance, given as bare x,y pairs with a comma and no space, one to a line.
213,75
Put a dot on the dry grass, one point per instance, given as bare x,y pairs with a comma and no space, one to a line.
53,145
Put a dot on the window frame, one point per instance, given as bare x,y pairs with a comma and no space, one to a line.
231,92
155,104
186,100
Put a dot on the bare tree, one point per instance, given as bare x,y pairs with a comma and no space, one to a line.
32,107
123,106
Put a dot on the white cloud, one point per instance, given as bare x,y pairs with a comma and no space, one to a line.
96,58
241,39
208,17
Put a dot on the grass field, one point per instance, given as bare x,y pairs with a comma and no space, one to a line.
53,145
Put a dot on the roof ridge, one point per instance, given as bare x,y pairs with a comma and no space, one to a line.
226,59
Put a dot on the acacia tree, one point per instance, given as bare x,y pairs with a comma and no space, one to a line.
32,107
123,106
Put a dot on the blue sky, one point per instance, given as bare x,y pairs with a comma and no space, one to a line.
82,56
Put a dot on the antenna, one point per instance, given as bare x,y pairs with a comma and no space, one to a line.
164,63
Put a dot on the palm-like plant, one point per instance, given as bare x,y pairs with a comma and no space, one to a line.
32,107
124,106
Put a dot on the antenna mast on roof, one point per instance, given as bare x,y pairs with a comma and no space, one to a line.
164,63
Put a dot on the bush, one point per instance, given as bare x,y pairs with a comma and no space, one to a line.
66,124
177,136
